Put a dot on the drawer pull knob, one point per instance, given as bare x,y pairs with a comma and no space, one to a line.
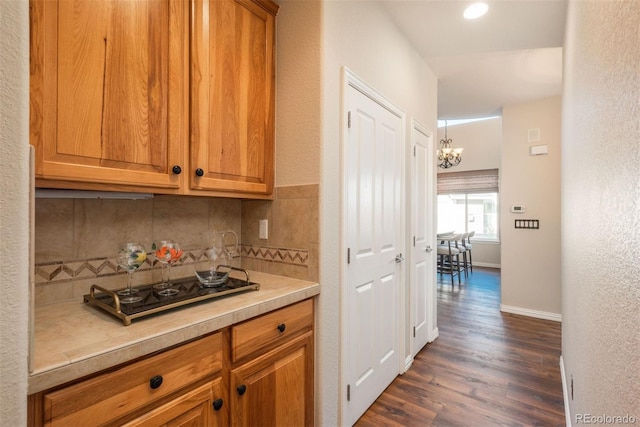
281,327
155,382
242,389
217,404
199,172
177,170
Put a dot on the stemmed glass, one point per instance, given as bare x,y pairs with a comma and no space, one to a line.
168,253
130,256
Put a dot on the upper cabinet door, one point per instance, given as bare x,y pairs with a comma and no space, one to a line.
109,97
232,95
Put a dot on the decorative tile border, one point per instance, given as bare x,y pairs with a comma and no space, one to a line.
65,271
281,255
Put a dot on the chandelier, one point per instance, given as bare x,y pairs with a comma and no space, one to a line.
447,156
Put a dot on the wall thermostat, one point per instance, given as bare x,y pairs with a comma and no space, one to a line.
517,209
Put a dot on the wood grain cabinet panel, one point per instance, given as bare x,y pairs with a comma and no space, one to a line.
232,95
193,409
275,389
271,330
108,91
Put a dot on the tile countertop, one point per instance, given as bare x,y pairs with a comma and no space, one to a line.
73,339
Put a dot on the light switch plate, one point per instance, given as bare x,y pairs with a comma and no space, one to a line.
264,229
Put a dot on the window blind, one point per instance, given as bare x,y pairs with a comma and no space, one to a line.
479,181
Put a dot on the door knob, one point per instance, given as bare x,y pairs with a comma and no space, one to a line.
399,258
429,249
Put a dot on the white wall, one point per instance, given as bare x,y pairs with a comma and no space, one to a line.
601,208
14,217
360,36
530,275
482,142
298,83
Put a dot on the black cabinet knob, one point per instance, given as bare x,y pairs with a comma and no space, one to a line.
155,382
177,170
199,172
281,327
217,404
242,389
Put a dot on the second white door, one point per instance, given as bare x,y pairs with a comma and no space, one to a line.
422,290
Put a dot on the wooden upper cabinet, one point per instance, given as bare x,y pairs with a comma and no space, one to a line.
109,91
232,95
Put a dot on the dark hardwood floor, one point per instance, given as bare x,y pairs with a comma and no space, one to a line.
485,368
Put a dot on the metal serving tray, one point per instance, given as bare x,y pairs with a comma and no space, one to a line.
189,291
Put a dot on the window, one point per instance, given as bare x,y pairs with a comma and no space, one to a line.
464,213
468,201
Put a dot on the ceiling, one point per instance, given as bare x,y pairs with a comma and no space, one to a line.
511,55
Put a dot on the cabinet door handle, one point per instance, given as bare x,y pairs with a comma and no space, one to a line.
242,389
199,172
177,170
217,404
281,327
155,382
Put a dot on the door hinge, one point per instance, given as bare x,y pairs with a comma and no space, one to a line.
348,255
348,392
349,120
414,240
414,151
414,331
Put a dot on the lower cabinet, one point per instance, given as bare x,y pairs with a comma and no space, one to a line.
202,406
275,389
217,380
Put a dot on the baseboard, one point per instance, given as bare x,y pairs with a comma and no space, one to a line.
434,334
407,364
485,264
565,393
531,313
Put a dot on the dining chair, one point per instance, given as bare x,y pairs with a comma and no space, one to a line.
462,247
449,257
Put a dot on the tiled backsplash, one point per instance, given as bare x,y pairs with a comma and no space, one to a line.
76,239
292,247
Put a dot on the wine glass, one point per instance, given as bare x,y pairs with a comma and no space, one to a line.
130,256
232,248
168,253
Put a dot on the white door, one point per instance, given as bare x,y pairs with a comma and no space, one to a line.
421,294
374,237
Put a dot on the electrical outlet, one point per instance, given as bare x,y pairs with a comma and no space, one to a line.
264,229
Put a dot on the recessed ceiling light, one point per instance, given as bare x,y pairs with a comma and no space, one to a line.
476,10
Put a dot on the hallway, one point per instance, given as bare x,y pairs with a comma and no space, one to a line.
485,369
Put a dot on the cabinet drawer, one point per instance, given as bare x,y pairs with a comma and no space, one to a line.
112,395
271,330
